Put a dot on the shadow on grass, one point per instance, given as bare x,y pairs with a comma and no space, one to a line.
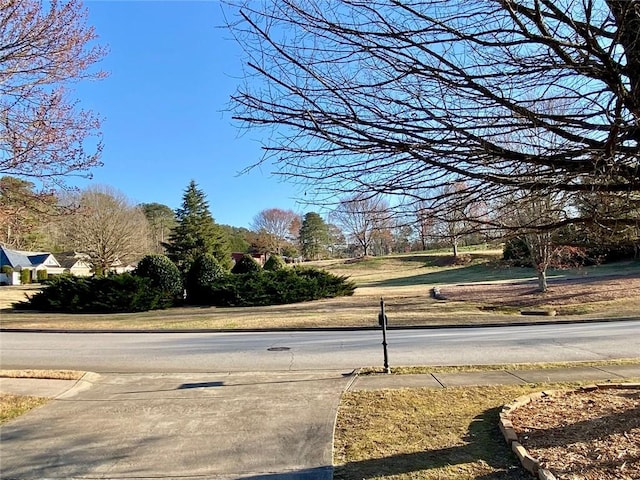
484,447
466,274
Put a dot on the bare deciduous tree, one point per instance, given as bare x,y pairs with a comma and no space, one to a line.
524,212
44,48
278,227
362,218
23,213
402,98
108,227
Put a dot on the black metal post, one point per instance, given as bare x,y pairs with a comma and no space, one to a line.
382,318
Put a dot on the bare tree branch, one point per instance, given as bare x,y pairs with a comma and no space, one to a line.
403,98
44,48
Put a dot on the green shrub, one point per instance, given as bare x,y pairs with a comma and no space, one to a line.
266,287
274,263
25,276
113,294
204,271
516,252
247,264
7,270
42,275
164,275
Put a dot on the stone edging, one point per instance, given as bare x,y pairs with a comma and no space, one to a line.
529,463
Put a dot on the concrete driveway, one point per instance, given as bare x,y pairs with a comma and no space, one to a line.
187,426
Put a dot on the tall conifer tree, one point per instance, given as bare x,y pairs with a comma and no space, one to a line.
314,236
196,232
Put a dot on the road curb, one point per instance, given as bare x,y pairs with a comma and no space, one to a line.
84,383
523,323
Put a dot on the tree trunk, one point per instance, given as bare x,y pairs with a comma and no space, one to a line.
455,248
542,280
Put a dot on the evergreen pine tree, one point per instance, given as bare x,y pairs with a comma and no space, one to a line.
314,236
196,233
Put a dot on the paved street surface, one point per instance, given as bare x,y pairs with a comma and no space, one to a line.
187,426
317,350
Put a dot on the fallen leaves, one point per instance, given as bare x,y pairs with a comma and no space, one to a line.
586,435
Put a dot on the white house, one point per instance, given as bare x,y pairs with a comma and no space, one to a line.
75,263
20,260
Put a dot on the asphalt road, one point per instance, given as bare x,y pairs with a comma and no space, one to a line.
299,351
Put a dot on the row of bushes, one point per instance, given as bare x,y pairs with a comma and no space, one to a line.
25,274
123,292
516,252
157,283
278,287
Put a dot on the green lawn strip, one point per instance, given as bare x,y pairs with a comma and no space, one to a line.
443,434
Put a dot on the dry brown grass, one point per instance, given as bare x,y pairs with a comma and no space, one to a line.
447,434
49,374
405,283
435,369
443,434
12,406
10,294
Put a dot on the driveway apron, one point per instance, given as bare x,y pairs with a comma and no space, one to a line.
187,426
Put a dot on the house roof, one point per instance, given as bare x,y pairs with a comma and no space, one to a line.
73,259
20,258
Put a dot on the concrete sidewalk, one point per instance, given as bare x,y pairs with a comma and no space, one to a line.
267,426
614,373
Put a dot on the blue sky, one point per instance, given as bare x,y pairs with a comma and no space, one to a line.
172,68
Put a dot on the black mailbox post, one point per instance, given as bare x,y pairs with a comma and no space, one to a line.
382,320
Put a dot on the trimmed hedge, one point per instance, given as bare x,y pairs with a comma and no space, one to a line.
247,264
164,275
205,270
278,287
274,263
25,276
112,294
42,276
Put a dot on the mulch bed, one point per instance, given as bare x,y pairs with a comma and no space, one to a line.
586,435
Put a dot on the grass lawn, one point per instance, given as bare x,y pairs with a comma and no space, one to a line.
405,283
12,406
427,433
443,434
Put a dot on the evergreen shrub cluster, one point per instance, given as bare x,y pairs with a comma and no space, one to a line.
275,262
247,264
112,294
164,276
266,287
157,283
204,271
